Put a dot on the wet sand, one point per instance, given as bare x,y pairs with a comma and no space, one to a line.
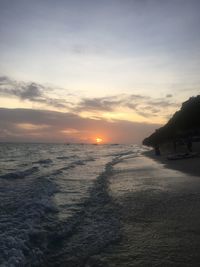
158,208
189,166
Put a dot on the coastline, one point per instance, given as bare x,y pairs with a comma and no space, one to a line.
158,208
190,166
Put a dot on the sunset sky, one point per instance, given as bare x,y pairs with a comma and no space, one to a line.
74,70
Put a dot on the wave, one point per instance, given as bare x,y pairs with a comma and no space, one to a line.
32,232
96,225
43,161
67,157
33,235
23,219
19,174
74,164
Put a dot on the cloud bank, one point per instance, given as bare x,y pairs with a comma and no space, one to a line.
32,92
147,108
28,125
144,106
119,118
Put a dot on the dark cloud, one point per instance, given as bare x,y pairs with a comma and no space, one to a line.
49,126
33,92
29,91
4,80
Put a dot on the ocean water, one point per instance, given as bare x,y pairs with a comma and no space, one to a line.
55,205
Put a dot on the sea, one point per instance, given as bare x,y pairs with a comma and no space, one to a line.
56,208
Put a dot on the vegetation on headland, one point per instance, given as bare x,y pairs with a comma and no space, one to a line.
185,123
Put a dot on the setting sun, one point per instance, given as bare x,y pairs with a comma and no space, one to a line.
98,140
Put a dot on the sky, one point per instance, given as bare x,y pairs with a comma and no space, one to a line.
73,70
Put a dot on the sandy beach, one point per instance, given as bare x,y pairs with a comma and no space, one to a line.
189,166
158,204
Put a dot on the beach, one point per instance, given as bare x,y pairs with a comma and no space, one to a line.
190,166
158,204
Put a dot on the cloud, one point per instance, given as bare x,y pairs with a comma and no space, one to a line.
145,106
33,92
24,91
110,103
4,80
100,104
49,126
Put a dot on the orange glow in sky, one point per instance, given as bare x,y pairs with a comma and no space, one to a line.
98,140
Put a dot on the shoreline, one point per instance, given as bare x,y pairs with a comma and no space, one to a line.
158,208
189,166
